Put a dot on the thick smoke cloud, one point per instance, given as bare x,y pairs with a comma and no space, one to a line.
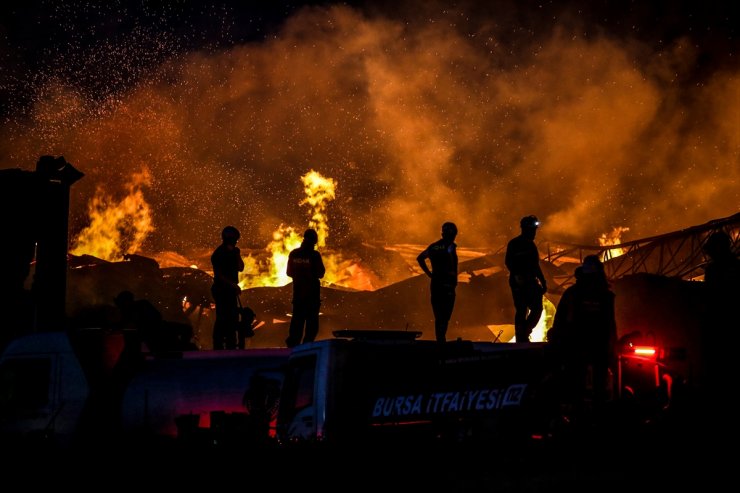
458,115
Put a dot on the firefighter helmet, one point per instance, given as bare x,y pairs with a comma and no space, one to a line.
230,233
718,244
530,221
311,236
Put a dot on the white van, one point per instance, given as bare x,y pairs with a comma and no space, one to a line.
66,391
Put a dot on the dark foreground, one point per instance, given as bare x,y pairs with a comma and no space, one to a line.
682,455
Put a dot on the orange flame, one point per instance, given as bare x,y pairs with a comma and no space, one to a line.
613,238
272,272
319,192
119,228
116,228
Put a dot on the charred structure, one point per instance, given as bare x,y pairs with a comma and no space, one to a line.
35,208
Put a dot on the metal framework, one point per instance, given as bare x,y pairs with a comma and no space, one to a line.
677,254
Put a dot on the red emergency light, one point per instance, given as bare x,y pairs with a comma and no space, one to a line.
644,351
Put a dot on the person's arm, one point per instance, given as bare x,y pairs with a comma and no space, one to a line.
541,277
217,261
289,268
320,269
453,253
422,260
538,272
240,260
228,282
508,257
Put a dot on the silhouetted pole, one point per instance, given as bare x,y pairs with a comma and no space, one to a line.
18,212
55,176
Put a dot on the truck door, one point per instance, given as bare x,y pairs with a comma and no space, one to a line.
35,404
297,417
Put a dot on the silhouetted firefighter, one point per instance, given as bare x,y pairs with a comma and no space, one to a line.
227,264
306,268
443,256
526,279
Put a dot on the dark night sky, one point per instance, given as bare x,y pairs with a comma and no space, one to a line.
39,33
593,115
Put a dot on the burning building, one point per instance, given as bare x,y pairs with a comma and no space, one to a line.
374,125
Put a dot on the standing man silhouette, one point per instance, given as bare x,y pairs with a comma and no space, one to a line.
306,268
526,280
584,334
227,264
443,256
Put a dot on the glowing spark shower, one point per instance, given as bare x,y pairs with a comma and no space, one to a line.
478,113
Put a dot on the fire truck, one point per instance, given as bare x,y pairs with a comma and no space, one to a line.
389,387
362,386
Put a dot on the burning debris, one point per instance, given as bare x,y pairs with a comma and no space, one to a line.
182,294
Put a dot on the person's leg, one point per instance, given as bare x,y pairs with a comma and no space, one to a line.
447,304
216,337
218,329
530,312
232,320
216,322
230,339
576,373
443,300
241,339
440,329
535,308
297,321
520,315
600,375
312,323
224,328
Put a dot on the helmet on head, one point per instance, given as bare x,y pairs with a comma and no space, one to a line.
592,265
230,233
528,222
718,243
311,236
449,229
124,298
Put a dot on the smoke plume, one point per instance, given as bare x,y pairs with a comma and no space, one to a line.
472,115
